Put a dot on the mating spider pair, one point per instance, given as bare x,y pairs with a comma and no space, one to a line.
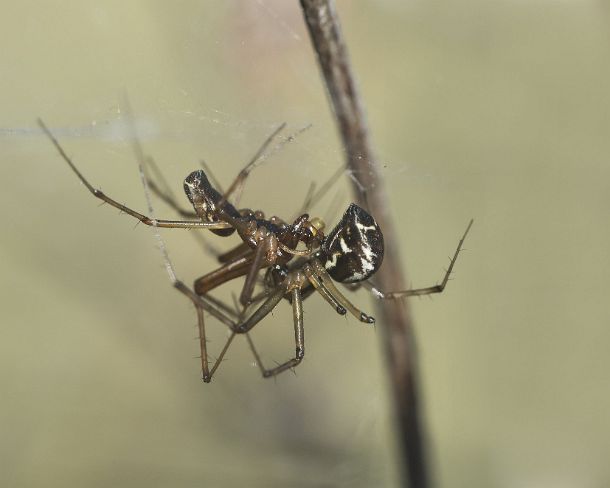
351,253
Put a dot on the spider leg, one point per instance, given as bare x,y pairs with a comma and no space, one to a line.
220,305
422,291
218,310
237,186
299,340
241,177
163,191
238,251
206,372
200,303
323,283
263,310
313,196
183,224
203,343
219,359
235,268
317,284
260,261
246,262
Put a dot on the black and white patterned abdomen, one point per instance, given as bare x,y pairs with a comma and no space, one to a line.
353,250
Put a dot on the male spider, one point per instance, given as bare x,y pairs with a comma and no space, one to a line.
351,253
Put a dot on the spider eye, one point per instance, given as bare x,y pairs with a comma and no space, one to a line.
354,248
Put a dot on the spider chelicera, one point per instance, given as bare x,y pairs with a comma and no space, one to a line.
299,257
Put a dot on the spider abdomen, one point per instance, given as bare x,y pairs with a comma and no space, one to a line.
353,250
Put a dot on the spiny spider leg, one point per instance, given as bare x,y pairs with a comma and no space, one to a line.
299,339
219,358
219,304
317,284
240,179
260,255
183,224
240,265
164,192
199,302
313,196
321,280
259,157
263,310
422,291
209,305
234,268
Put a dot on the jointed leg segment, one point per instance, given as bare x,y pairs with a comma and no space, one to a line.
422,291
299,339
182,224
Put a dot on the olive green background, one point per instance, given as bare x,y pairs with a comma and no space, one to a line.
493,110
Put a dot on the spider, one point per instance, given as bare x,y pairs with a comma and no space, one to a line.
299,258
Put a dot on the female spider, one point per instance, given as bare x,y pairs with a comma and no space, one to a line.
351,253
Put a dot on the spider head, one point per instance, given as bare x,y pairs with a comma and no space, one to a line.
353,250
206,200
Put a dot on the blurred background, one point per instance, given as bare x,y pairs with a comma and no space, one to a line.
497,111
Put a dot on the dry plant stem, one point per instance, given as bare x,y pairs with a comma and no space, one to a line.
395,324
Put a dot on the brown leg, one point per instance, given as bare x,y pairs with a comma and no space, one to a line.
238,251
313,196
164,192
323,283
183,224
299,339
241,177
263,310
422,291
202,304
228,271
237,186
317,284
259,262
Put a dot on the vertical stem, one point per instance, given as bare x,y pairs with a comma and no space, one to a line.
395,322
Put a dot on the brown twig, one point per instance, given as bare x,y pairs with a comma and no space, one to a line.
395,322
